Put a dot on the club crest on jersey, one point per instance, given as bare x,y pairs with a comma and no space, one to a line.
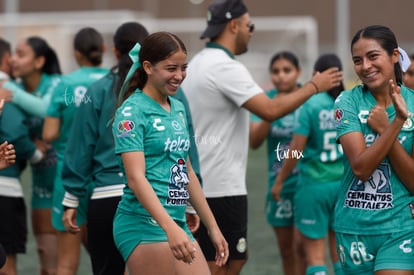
125,128
408,124
339,114
373,194
339,117
177,189
176,125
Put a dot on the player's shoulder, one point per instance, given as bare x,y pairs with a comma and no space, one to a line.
351,96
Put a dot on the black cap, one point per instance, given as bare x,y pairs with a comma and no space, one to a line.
219,13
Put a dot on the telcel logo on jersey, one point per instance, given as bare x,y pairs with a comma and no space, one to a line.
179,144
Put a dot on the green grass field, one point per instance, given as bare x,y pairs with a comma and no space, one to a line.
263,253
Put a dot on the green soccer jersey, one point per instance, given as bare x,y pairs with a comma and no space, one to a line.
141,124
278,141
66,99
321,161
382,204
90,154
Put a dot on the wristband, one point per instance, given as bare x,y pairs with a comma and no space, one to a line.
315,86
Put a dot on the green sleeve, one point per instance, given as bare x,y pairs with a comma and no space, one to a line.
303,123
59,100
346,113
78,164
14,130
128,127
32,104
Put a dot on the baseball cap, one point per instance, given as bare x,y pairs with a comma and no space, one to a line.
219,13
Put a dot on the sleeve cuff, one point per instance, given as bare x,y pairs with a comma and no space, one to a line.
70,200
16,90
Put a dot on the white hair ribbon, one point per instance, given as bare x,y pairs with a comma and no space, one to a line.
404,60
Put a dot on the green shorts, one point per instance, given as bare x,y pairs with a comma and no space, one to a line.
43,179
42,194
365,254
314,208
132,230
58,195
280,214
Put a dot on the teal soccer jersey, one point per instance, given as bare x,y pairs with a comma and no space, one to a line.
382,204
69,95
278,141
43,172
141,124
322,158
65,101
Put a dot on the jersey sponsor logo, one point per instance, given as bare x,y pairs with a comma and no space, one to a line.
404,246
125,128
326,120
157,125
179,144
177,189
126,111
363,116
369,139
373,194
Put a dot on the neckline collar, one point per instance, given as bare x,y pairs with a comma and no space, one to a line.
215,45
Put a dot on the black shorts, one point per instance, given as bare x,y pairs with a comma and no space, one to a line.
105,257
13,228
231,216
